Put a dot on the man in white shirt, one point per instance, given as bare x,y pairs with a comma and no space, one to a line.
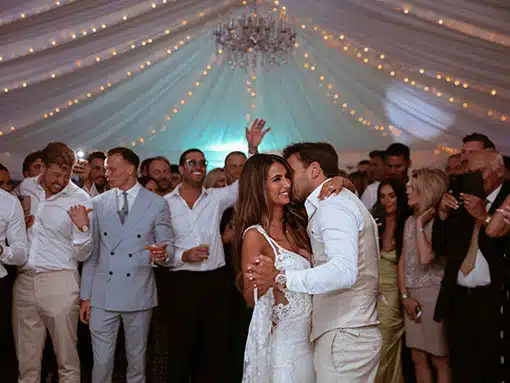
95,181
199,323
470,300
46,291
378,173
13,239
132,229
345,276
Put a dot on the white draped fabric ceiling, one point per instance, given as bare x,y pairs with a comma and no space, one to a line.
102,73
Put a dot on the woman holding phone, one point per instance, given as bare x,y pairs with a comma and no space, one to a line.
419,277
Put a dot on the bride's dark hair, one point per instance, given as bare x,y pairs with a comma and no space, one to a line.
253,207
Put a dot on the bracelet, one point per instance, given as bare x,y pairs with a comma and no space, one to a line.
404,296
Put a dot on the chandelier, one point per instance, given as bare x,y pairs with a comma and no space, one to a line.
254,40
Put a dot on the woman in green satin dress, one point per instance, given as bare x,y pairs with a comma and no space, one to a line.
390,213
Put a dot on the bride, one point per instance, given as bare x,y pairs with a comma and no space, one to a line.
278,349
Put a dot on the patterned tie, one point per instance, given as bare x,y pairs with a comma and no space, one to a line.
123,213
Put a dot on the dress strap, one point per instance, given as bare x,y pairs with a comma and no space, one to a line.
266,236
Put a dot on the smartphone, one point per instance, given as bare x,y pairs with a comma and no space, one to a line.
472,183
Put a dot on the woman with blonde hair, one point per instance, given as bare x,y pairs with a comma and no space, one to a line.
419,277
215,178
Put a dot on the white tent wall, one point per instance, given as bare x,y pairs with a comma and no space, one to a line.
146,74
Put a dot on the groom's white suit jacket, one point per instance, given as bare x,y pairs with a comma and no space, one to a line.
345,277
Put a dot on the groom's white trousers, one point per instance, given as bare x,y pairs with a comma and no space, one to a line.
348,355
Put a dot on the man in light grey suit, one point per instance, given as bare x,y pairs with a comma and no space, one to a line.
118,280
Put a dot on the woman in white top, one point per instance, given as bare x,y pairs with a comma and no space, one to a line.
267,222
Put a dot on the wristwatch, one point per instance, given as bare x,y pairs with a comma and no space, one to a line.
487,220
404,296
281,280
84,228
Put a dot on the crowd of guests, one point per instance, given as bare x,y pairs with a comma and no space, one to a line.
92,246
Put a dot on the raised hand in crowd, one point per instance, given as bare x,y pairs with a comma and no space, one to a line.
255,133
447,204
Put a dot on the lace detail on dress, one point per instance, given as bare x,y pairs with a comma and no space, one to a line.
278,349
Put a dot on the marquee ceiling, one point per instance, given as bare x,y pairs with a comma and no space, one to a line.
102,73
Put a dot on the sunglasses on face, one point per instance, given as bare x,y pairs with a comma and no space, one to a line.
194,163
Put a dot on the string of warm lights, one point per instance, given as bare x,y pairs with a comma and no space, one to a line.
250,84
36,10
107,53
176,108
350,45
108,21
451,23
104,87
336,97
370,57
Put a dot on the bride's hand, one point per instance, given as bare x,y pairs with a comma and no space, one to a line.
334,186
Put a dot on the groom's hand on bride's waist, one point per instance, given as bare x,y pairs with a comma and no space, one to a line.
262,273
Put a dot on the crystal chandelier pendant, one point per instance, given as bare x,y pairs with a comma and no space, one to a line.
254,40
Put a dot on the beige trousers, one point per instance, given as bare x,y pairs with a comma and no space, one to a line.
348,355
43,301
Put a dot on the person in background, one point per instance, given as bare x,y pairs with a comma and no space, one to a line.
390,212
176,176
149,183
5,179
199,326
144,167
13,252
95,180
398,161
474,143
215,179
132,230
46,291
32,164
364,167
160,170
471,299
378,173
240,312
234,163
419,277
360,181
454,165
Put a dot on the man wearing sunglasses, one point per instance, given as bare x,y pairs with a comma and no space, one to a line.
199,322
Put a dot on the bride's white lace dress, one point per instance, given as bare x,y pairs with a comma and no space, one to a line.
278,349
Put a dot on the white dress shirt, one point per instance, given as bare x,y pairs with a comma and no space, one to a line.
194,227
369,197
12,229
131,196
92,191
480,275
336,223
55,243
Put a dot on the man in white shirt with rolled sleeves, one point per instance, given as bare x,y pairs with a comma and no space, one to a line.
199,324
46,291
345,278
13,241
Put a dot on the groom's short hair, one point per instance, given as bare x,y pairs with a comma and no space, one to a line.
321,152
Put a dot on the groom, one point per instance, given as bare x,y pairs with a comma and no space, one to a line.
345,277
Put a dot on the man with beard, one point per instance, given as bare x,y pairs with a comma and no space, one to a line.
199,327
95,182
46,291
159,169
398,161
